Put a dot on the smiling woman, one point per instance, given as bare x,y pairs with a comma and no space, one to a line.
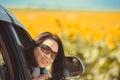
45,50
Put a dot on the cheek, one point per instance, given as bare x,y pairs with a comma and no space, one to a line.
37,54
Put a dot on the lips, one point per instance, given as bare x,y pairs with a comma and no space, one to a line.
43,60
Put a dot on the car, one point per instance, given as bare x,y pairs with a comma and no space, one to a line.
14,37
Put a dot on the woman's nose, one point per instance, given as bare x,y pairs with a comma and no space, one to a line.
48,55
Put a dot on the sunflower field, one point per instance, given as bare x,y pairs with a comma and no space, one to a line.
93,36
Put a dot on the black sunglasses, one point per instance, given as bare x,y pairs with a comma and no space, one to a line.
47,50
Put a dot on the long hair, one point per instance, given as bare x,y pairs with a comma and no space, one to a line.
30,58
59,62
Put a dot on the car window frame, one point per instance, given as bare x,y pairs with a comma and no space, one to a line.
6,58
15,39
25,39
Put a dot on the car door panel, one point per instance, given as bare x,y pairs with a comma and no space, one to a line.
12,43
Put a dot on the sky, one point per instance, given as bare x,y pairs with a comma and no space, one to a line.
64,4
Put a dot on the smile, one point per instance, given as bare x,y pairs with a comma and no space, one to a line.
44,61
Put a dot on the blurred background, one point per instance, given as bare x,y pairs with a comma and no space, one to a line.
89,29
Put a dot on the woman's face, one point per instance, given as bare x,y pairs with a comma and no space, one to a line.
46,52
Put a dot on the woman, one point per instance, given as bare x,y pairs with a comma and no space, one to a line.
46,49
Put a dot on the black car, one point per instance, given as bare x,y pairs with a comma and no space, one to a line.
13,39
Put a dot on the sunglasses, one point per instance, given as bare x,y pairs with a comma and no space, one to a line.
47,50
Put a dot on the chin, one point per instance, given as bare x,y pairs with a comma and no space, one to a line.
42,66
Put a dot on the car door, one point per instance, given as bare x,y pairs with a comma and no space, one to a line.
13,39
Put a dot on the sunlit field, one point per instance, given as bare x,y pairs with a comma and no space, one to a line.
97,26
92,36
